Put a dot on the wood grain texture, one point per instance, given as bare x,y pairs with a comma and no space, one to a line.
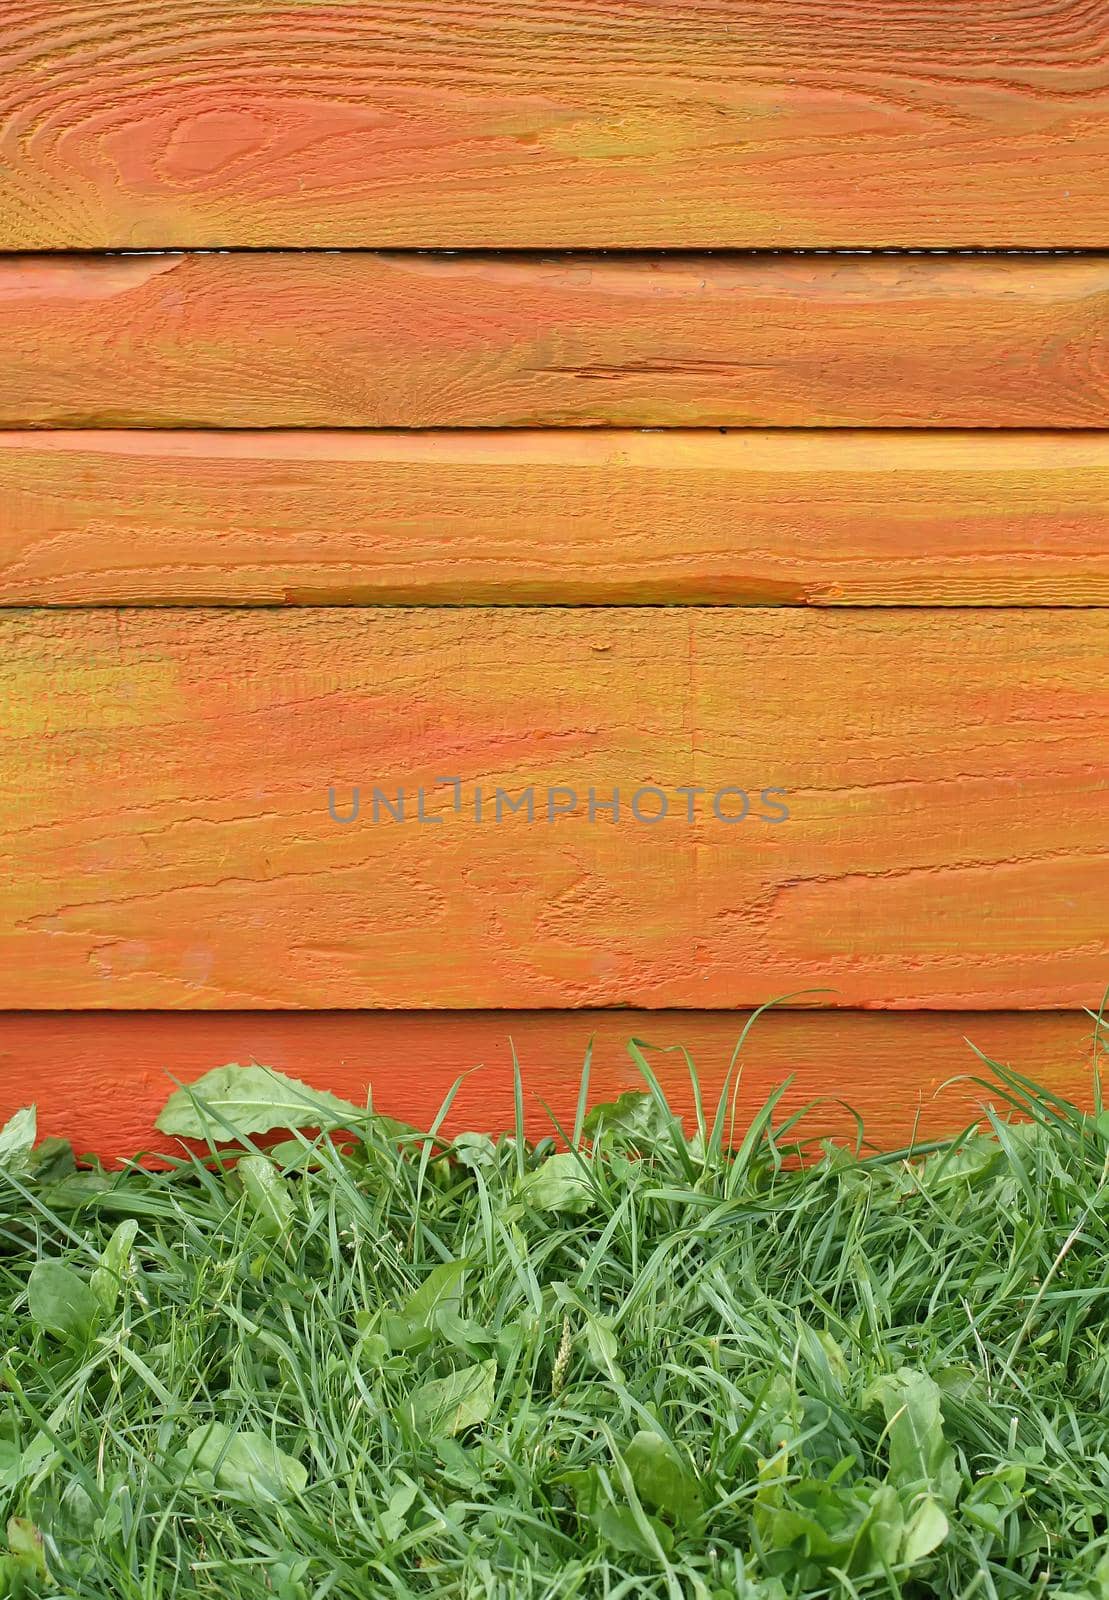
777,518
407,340
101,1079
166,843
745,123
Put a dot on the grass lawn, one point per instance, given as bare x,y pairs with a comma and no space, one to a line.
639,1367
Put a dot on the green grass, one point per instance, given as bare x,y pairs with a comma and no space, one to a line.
651,1368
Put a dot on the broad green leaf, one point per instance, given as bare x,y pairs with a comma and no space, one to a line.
51,1161
247,1463
107,1280
885,1527
976,1159
662,1479
439,1295
619,1527
1101,1578
268,1195
239,1101
11,1464
584,1485
919,1455
634,1114
925,1531
602,1346
559,1185
290,1155
395,1132
40,1455
372,1347
461,1400
995,1497
72,1191
394,1517
17,1139
74,1516
773,1475
834,1356
823,1519
25,1542
285,1576
474,1338
474,1150
440,1291
61,1302
460,1466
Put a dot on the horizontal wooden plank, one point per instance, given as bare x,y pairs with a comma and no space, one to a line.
166,841
101,1079
408,340
744,123
834,518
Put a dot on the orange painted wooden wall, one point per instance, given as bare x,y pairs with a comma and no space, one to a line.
420,421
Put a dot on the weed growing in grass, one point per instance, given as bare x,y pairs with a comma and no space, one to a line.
391,1365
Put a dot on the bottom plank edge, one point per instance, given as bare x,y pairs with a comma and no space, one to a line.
100,1079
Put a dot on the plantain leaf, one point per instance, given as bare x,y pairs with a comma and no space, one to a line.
268,1194
662,1479
925,1530
51,1161
61,1302
246,1463
461,1400
919,1455
635,1114
439,1295
108,1277
885,1525
620,1527
558,1184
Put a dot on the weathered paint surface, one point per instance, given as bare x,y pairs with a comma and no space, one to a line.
165,836
908,1077
818,518
717,123
310,339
